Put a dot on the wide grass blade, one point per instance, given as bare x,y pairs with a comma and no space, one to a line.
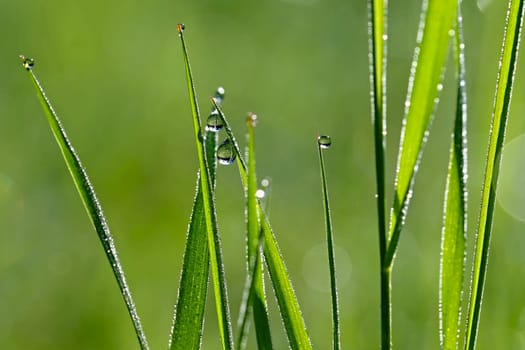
217,267
282,286
254,294
188,321
377,34
324,142
505,82
453,247
89,199
438,19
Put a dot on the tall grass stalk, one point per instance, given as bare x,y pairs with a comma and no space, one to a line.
89,199
498,126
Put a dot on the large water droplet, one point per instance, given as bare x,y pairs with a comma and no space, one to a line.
226,152
214,122
27,62
260,194
180,28
219,95
324,141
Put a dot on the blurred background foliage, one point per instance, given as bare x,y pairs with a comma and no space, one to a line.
114,72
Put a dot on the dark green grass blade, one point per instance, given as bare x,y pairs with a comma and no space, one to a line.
188,321
438,18
89,199
217,267
336,331
255,296
453,247
288,304
508,61
377,34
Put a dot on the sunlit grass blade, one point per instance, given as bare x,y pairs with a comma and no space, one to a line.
188,322
217,267
255,296
377,42
505,81
89,199
324,142
282,286
453,247
438,19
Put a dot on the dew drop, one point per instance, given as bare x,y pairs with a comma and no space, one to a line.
27,62
180,28
260,194
226,152
265,182
219,95
324,141
251,119
214,122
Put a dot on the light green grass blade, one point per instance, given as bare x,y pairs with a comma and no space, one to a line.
505,81
438,19
377,42
254,294
188,322
324,142
282,286
217,267
89,199
453,247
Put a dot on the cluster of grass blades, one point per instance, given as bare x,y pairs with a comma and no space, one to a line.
440,32
440,28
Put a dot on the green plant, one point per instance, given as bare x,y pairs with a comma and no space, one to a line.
203,253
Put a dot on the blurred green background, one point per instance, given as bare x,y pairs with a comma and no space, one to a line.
114,72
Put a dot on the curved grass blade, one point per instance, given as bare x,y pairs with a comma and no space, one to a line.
505,82
377,34
453,247
186,332
438,18
324,142
89,199
282,286
217,267
254,295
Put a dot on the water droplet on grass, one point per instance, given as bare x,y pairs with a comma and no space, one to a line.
226,152
214,122
27,62
219,95
260,194
324,141
251,119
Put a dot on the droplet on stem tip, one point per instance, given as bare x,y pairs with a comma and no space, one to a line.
219,95
27,62
324,141
251,119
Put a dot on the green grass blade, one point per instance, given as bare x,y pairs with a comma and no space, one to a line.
255,279
324,142
453,247
286,298
438,18
377,33
507,69
188,322
217,267
89,199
